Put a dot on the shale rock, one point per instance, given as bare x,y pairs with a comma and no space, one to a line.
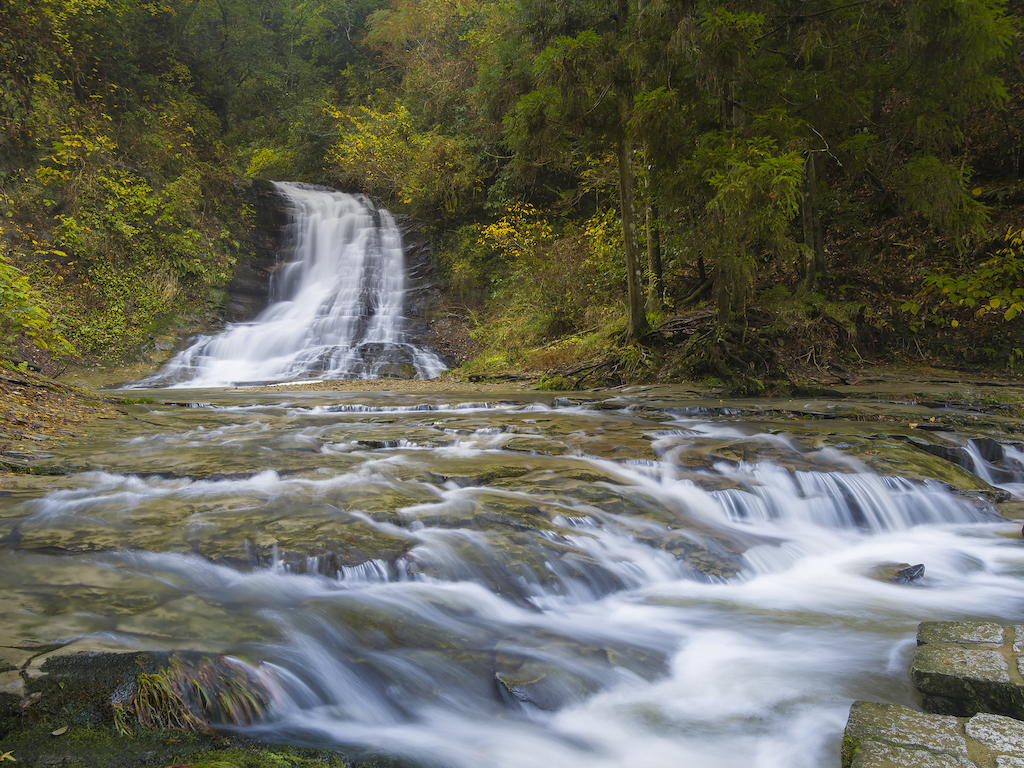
894,736
963,668
898,573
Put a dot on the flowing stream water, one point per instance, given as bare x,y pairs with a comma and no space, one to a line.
631,578
640,577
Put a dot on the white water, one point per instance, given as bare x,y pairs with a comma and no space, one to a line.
648,661
336,308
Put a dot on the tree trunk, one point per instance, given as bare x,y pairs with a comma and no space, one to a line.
636,327
654,275
637,318
814,260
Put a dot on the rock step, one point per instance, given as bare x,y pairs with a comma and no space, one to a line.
895,736
963,668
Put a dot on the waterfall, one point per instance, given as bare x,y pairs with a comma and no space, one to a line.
336,308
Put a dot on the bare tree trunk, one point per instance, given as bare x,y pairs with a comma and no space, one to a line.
637,316
654,274
814,261
637,326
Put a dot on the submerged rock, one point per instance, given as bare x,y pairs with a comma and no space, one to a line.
898,573
532,682
550,673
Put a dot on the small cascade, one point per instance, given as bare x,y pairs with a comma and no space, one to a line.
336,311
433,580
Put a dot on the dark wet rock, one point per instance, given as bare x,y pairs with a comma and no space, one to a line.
898,573
549,672
954,454
895,736
996,465
248,291
989,449
963,668
544,686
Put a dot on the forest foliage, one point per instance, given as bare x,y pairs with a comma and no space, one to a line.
583,166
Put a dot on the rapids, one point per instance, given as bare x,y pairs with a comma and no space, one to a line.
629,578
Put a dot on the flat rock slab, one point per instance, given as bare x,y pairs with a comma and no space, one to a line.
963,668
894,736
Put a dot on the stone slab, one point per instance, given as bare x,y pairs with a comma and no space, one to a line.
960,633
942,661
1000,734
895,736
966,668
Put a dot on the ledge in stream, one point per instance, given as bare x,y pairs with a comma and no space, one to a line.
969,678
115,710
894,736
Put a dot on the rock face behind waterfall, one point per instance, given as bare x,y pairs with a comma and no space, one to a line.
422,294
249,289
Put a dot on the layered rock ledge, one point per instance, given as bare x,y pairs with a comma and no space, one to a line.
963,668
894,736
970,676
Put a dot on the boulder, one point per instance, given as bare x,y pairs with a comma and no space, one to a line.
898,573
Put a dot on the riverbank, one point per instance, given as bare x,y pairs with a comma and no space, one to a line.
37,412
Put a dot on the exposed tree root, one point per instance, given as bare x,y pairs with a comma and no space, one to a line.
736,356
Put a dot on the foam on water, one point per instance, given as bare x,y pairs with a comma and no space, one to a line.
565,575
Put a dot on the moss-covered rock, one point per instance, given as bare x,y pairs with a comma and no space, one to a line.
963,668
83,710
894,736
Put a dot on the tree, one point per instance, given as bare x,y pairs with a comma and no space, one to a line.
582,102
879,92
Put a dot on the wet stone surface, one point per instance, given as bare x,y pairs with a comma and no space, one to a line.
895,736
963,668
507,568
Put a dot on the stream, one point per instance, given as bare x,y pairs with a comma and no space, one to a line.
632,577
646,576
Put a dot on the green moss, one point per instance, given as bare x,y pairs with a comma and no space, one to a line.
70,717
557,383
849,750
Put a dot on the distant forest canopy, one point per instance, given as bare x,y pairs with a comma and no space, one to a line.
584,166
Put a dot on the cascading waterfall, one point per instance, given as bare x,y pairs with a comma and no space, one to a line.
336,308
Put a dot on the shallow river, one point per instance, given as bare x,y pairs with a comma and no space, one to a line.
630,578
